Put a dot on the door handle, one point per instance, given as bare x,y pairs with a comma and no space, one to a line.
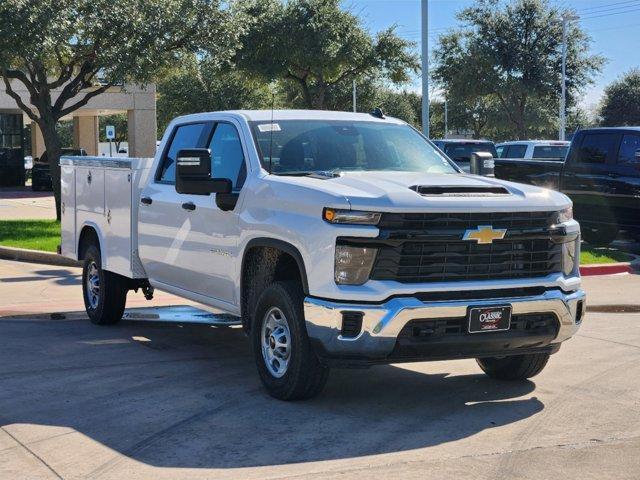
612,175
189,206
146,200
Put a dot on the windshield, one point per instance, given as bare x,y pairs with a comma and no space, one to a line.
300,147
463,151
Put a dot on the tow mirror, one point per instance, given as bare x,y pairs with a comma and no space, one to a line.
482,163
193,173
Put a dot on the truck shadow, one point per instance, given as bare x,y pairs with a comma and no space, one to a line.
172,396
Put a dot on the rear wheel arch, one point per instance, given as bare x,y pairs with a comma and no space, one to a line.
265,261
88,236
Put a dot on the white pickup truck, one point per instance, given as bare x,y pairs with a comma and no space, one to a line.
335,239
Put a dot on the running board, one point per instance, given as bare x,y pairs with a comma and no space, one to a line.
181,314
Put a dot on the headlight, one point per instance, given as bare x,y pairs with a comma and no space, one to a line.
569,256
353,264
565,215
353,217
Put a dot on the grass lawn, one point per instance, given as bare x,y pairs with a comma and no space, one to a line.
32,234
590,255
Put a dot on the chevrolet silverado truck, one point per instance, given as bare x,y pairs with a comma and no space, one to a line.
334,239
601,175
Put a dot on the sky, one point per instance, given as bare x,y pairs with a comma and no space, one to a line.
613,25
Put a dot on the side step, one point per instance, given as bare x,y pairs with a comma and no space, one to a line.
180,314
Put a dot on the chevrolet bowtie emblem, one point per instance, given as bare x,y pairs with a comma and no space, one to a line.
484,234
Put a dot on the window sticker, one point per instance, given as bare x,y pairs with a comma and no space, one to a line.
269,127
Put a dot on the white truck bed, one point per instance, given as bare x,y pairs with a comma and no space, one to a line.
104,192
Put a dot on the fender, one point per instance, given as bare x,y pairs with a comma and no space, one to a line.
280,245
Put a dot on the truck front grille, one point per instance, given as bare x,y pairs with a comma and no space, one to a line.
416,262
428,247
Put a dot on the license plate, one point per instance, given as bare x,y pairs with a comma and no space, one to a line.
489,319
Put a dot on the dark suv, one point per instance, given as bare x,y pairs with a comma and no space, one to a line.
40,173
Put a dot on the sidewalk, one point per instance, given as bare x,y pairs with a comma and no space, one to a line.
30,288
22,203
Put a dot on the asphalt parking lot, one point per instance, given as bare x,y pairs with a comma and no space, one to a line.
145,400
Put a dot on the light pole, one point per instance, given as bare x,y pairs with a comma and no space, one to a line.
425,68
354,95
446,117
566,18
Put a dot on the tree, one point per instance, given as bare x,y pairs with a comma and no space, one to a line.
621,105
318,48
202,85
512,53
66,52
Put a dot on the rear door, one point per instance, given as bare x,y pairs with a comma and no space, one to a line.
588,179
625,176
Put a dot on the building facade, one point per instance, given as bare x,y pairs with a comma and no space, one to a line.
138,102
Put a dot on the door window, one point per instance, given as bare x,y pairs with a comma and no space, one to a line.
629,150
192,135
226,155
516,151
598,147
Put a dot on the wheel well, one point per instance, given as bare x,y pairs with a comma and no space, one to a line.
88,237
262,266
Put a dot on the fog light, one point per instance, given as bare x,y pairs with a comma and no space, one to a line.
569,255
353,264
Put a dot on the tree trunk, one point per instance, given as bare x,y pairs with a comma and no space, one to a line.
53,147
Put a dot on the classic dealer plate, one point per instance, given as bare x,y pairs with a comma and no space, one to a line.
489,319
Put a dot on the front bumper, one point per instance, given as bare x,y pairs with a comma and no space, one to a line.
382,324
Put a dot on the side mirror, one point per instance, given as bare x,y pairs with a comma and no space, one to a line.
482,163
193,173
637,155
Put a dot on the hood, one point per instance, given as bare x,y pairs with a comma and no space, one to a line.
392,191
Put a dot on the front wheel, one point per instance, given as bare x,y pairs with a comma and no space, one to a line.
516,367
288,367
105,293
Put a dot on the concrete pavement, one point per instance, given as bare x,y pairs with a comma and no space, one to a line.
140,400
19,204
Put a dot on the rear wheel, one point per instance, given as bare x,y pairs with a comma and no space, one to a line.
600,236
517,367
105,293
287,365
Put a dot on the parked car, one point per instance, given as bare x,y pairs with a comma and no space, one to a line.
460,150
550,150
601,175
40,173
335,239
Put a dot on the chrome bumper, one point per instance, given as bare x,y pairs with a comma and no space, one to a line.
382,323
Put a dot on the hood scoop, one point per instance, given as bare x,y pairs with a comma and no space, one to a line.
459,190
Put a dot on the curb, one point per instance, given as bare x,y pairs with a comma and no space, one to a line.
36,256
609,268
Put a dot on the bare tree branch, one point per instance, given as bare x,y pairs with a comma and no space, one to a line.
13,94
84,100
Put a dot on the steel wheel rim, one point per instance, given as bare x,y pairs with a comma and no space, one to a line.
93,285
275,340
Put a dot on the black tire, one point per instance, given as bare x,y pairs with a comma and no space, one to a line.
35,188
304,376
517,367
105,305
600,236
